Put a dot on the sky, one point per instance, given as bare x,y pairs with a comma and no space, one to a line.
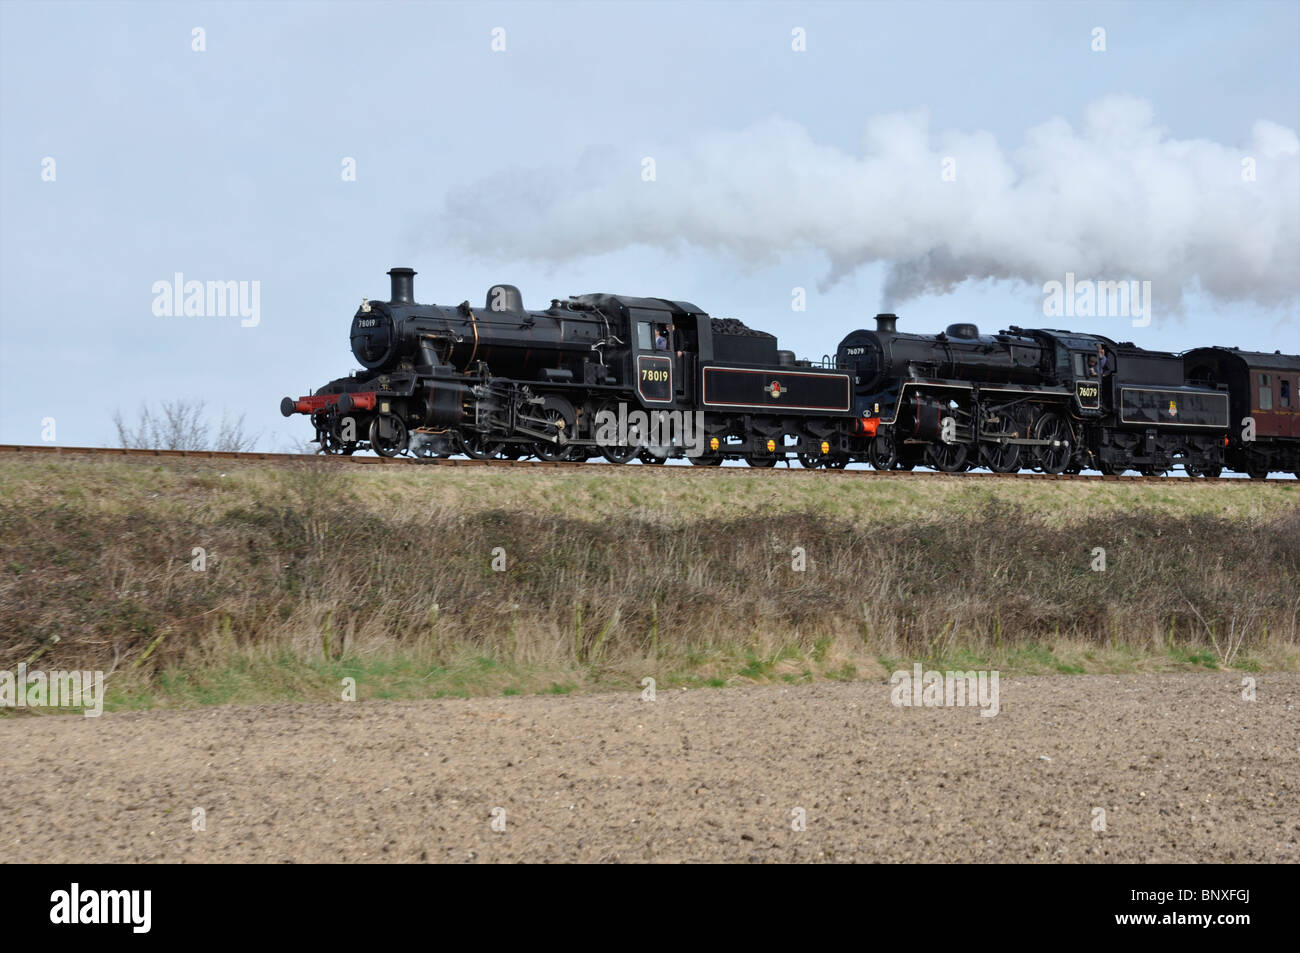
945,161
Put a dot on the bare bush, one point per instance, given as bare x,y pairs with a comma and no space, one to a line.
182,425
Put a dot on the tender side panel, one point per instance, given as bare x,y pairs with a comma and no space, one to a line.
1171,407
776,389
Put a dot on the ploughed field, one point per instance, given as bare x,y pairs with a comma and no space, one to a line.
1182,766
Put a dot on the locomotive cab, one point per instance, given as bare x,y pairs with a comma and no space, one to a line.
655,369
1080,367
1084,366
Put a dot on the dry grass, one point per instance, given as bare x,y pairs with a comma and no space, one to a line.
615,573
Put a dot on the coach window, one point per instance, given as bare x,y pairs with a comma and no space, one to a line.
644,337
1284,386
1265,392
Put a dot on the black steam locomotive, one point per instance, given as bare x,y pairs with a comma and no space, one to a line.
598,374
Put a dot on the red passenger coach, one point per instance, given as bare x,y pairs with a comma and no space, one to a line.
1264,435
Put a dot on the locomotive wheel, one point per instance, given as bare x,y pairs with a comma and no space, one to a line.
883,454
837,461
654,453
550,453
811,461
388,446
706,460
1212,473
328,442
761,463
1257,474
1000,457
620,454
1053,459
331,442
477,448
947,457
558,414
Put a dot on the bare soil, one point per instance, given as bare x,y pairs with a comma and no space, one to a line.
1184,768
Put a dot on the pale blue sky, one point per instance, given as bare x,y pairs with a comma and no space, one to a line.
225,165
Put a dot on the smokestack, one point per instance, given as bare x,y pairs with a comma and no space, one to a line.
886,323
403,286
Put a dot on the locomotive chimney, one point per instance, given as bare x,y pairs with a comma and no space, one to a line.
886,323
403,285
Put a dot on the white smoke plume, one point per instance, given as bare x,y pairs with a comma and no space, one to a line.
1115,199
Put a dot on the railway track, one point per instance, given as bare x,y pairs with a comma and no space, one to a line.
253,457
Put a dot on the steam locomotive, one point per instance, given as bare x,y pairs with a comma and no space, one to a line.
502,381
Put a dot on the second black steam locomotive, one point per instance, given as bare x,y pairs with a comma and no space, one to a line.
502,381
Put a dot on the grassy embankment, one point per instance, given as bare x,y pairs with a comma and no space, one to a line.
316,573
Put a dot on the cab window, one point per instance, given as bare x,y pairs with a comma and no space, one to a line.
1078,364
644,338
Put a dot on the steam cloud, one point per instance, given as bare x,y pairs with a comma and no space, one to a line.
1116,199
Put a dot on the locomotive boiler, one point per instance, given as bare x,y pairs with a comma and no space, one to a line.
885,356
563,342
